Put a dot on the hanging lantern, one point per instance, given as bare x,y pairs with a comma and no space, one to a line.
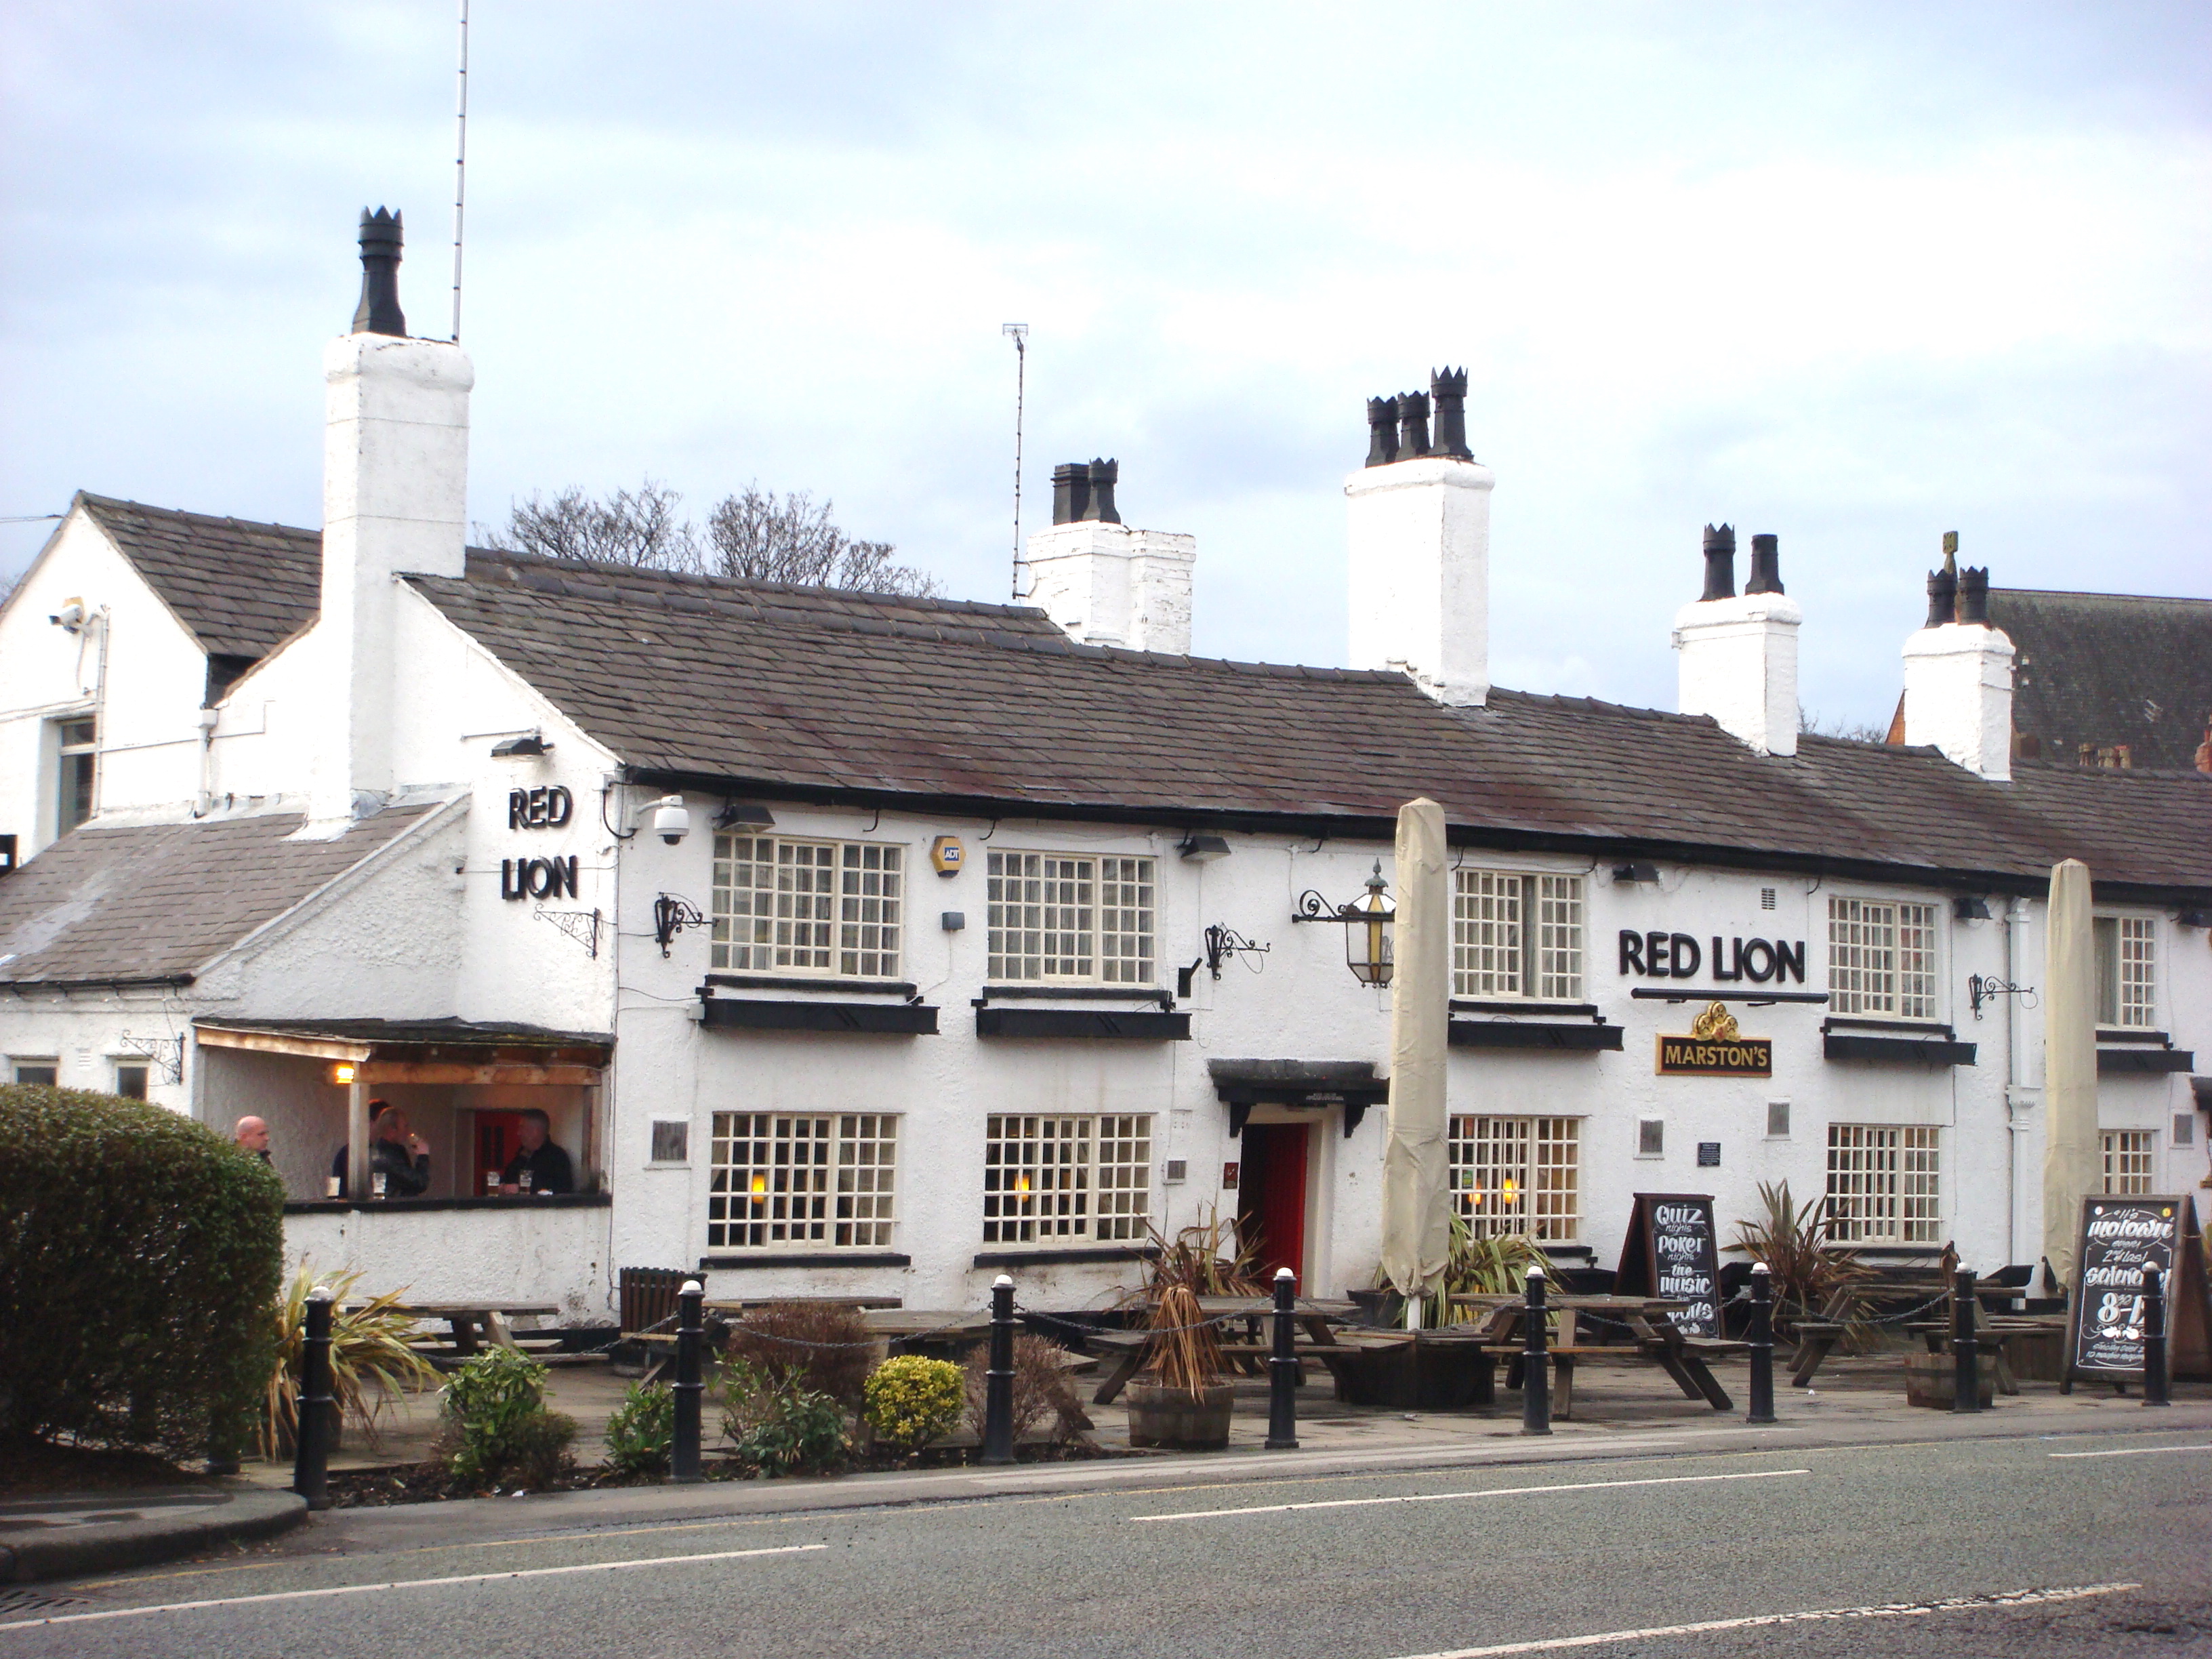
1366,924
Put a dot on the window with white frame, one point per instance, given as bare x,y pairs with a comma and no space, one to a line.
2127,970
1881,958
1516,934
1884,1183
817,1180
2127,1159
1059,1180
808,907
1080,918
1518,1175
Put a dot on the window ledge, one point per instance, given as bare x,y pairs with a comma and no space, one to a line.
1522,1005
1108,1023
763,1014
2133,1034
812,982
1534,1035
1875,1023
1897,1050
2143,1059
722,1264
1077,994
1045,1258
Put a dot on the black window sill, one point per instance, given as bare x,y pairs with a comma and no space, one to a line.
723,1264
2145,1061
2133,1034
1724,994
1075,994
1915,1027
827,982
1062,1258
761,1014
1082,1022
1897,1051
407,1206
1519,1005
1537,1036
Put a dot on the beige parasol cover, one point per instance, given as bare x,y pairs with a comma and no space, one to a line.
2071,1165
1416,1214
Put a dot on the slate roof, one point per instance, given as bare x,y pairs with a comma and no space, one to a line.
983,707
2105,669
413,1034
153,903
242,589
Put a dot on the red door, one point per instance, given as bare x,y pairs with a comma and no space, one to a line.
499,1137
1271,1195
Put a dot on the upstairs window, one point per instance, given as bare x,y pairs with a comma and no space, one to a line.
2127,970
1077,918
80,754
1881,958
828,907
1516,935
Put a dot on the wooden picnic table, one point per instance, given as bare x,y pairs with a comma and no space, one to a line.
463,1318
1655,1341
1321,1337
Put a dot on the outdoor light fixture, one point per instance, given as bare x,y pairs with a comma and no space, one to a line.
671,914
1626,873
343,1072
747,815
530,743
1202,849
1366,927
1969,909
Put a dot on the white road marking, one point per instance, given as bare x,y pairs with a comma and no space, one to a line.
2133,1451
1890,1610
405,1583
1457,1496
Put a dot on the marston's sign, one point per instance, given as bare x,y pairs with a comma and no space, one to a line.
1715,1047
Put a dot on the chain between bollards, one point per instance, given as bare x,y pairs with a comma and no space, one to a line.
2153,1316
1966,1348
1535,1367
1283,1367
1762,1346
684,1469
998,1381
311,1419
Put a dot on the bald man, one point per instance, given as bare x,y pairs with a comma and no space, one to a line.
252,1135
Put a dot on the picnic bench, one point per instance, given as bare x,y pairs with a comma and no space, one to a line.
1653,1337
471,1324
1321,1337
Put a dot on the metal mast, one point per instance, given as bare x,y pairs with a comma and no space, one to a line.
1019,334
460,166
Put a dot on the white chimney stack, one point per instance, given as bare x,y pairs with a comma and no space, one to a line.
1103,582
1421,546
1957,673
395,499
1739,653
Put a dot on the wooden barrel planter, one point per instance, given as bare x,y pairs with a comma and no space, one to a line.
1189,1420
1931,1379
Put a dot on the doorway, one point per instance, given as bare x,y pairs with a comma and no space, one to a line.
499,1137
1271,1196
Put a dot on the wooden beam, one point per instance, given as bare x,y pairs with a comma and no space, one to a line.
357,1140
277,1042
446,1071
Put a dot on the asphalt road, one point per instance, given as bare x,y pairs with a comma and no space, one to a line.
1881,1540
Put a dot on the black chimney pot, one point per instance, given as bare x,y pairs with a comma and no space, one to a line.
1942,598
1071,492
1449,387
1720,562
1382,431
1105,475
1974,596
1766,565
379,311
1412,425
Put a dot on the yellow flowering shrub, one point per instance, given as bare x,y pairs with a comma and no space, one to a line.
909,1400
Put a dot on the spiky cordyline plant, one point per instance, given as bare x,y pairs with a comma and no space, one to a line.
1811,1278
369,1351
1476,1265
1206,1258
1184,1351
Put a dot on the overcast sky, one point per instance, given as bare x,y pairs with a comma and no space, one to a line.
1856,275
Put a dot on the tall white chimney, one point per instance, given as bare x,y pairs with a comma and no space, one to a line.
395,499
1421,546
1738,652
1103,582
1957,673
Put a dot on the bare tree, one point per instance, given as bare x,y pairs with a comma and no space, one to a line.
1849,730
9,583
638,529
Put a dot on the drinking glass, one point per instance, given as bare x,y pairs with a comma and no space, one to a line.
523,1180
376,1183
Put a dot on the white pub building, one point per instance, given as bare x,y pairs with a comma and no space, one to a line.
872,945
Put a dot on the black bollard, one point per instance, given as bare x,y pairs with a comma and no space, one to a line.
311,1436
1965,1348
1535,1371
1283,1367
2154,1317
691,1340
998,1381
1761,1345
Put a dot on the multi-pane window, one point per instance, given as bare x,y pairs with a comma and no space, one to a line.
808,907
1078,918
46,1072
1884,1183
1051,1179
1516,935
1518,1175
80,754
2127,1159
1881,958
823,1180
2127,970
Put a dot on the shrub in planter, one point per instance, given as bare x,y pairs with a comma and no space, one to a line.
822,1347
140,1254
912,1400
778,1425
642,1433
498,1427
1183,1402
1042,1390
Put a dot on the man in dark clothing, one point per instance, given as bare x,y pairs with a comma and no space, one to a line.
546,1164
252,1135
402,1158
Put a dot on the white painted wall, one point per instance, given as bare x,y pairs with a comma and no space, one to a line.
1738,663
1107,584
509,1252
1957,696
1420,574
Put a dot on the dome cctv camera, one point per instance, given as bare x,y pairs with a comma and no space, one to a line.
670,821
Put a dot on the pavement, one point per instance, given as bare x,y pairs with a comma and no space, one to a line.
70,1534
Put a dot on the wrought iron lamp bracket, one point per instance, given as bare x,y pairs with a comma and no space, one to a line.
671,914
1982,988
167,1053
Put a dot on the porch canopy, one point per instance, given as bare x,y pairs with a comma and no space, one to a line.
460,1082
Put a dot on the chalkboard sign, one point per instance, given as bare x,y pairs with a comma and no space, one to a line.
1671,1251
2119,1238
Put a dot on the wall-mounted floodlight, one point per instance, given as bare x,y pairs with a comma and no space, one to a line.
747,815
530,743
1969,909
1625,874
1202,849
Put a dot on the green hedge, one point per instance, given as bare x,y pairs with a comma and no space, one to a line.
140,1255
